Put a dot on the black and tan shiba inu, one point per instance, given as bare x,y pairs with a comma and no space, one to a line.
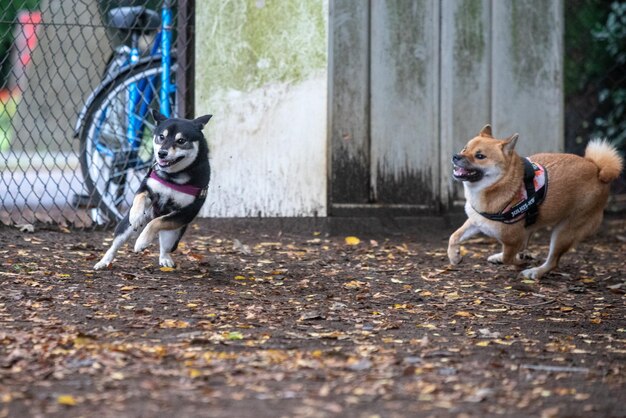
171,194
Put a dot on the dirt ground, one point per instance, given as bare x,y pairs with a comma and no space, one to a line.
260,323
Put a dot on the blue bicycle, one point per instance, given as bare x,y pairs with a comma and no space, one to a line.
115,127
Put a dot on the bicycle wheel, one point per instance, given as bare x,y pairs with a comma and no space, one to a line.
113,157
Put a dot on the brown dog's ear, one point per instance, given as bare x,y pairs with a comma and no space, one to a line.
486,131
509,144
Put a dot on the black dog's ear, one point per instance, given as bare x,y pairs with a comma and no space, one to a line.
202,120
158,117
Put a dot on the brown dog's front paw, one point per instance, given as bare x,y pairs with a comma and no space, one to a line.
454,254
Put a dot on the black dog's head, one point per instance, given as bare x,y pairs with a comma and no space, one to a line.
178,142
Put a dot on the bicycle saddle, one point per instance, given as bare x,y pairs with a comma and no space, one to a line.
136,18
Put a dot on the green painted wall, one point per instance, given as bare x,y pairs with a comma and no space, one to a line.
244,44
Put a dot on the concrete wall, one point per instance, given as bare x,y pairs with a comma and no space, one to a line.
261,70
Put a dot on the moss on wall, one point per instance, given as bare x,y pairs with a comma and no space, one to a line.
469,44
407,42
532,28
244,44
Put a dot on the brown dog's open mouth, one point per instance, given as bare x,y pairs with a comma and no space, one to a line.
467,174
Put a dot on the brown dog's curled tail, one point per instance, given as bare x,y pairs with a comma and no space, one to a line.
606,157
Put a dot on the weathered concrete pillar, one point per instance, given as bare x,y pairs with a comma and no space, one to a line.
261,70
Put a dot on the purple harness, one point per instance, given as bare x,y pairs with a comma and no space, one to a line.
183,188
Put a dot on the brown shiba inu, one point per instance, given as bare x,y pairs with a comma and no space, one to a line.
509,197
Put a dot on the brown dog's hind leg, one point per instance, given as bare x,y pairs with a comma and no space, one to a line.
564,237
562,240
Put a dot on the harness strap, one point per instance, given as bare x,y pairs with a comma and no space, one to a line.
528,206
183,188
529,184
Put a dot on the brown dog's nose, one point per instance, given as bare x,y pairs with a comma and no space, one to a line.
456,158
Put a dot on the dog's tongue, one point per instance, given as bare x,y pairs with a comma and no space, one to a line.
460,171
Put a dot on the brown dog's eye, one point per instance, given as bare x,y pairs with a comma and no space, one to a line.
480,156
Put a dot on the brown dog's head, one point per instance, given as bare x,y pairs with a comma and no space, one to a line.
484,158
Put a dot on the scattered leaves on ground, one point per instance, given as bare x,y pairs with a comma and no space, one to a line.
267,324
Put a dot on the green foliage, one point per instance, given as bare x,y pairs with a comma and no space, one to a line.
595,69
612,36
584,60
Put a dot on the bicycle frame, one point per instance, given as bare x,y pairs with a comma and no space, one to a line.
141,94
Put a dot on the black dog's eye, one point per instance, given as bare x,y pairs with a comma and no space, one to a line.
480,156
181,141
159,138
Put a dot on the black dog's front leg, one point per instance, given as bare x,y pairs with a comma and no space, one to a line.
172,221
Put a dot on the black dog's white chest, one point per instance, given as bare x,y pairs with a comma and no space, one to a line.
166,199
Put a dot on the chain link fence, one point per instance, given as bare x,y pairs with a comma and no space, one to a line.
54,54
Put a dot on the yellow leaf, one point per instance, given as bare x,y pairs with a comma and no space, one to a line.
596,321
234,335
66,400
566,308
127,288
463,314
453,295
173,323
166,269
193,373
240,278
482,343
352,240
354,284
463,251
117,376
192,305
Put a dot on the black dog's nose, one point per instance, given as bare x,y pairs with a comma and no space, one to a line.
162,153
456,158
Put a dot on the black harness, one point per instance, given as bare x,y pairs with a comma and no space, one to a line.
528,206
